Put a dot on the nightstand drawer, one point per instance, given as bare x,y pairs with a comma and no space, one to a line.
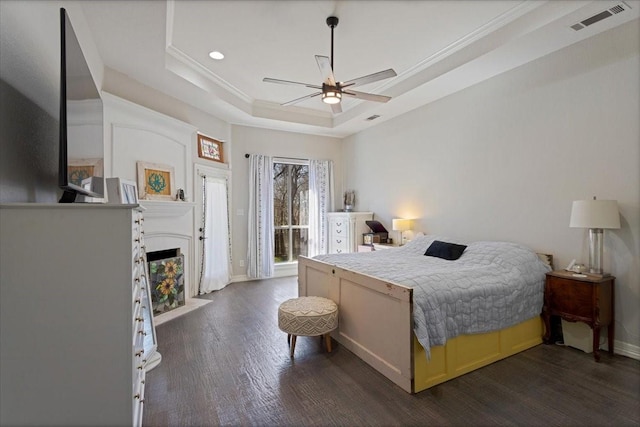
570,297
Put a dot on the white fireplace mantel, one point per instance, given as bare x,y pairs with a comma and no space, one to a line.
161,208
167,225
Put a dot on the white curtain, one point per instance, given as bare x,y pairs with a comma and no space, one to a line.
260,262
320,202
216,258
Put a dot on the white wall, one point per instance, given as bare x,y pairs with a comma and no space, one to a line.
249,140
503,160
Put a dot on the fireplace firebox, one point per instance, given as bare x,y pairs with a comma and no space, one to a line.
166,276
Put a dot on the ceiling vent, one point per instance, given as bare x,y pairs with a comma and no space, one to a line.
375,116
619,8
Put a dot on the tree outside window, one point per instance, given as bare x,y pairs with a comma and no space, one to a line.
291,211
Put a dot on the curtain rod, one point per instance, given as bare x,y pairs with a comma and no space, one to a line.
247,155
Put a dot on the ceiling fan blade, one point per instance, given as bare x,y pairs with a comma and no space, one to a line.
366,96
336,108
287,82
295,101
381,75
324,63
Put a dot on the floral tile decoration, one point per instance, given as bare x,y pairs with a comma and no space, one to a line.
167,283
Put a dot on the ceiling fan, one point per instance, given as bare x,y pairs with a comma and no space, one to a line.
332,90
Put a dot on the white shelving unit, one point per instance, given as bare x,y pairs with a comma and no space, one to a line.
76,323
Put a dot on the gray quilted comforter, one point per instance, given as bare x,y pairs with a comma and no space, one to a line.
493,285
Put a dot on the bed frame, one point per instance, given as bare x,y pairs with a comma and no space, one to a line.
376,323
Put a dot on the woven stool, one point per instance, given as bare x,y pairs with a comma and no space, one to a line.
308,316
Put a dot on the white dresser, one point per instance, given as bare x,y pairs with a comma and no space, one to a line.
76,323
346,229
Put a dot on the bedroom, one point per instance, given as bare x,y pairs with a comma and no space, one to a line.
502,159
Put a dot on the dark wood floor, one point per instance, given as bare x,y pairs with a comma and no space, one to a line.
228,364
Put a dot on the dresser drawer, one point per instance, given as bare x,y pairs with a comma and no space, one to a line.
339,228
339,245
138,398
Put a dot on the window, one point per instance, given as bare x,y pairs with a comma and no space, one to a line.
290,210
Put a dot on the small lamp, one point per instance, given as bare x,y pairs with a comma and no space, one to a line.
401,225
596,215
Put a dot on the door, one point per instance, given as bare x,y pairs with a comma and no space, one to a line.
212,228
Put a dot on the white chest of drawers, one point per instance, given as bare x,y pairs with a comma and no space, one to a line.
77,334
346,229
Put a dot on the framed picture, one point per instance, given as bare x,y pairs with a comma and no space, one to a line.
122,191
80,169
210,149
156,181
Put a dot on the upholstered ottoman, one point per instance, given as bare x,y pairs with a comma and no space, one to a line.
307,316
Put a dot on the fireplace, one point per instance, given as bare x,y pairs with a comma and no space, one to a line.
166,278
169,226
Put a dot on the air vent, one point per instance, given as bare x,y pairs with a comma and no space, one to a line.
619,8
375,116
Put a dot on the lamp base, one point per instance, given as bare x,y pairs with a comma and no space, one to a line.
595,250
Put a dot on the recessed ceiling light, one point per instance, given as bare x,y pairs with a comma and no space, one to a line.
216,55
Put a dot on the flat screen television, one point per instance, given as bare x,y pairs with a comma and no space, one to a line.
81,162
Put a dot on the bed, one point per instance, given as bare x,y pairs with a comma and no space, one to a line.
422,320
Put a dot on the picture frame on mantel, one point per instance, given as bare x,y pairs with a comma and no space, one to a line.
210,149
122,191
155,181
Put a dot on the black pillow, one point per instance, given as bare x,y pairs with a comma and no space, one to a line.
444,250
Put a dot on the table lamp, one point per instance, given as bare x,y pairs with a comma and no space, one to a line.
596,215
401,225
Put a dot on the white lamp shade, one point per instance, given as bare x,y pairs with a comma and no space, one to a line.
595,214
401,224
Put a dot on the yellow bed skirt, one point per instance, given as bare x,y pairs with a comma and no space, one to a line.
466,353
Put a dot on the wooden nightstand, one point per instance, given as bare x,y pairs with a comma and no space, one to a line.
587,299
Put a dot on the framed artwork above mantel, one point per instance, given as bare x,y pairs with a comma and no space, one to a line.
155,181
210,149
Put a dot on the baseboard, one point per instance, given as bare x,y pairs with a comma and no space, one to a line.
240,278
286,270
626,349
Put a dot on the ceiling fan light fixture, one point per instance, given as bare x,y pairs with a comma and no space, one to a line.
331,97
331,89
